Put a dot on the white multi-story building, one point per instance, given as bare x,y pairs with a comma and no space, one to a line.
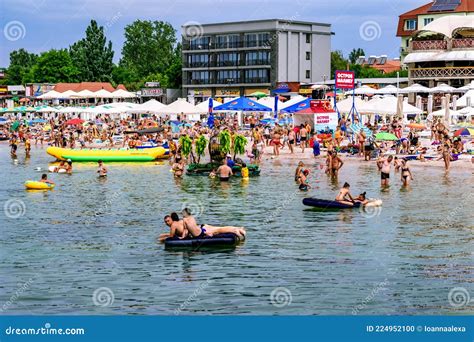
240,58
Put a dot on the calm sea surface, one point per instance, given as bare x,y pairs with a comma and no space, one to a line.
88,234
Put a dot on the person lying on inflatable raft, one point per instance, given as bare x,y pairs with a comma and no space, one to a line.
188,228
345,197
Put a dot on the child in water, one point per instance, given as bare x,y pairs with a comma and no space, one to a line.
245,171
44,179
303,180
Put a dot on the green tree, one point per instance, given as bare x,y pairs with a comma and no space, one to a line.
54,66
93,55
201,144
149,47
127,77
174,72
240,142
21,61
355,54
338,62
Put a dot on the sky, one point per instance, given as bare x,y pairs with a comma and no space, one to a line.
39,25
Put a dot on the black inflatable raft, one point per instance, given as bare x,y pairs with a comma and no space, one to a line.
325,204
218,240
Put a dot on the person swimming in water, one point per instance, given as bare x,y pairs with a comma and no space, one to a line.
102,170
203,230
224,171
44,179
176,228
345,196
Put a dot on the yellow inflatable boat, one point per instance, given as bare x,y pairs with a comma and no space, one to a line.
33,185
108,155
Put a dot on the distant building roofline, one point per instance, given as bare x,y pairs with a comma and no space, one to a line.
260,21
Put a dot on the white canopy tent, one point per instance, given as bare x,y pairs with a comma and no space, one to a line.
467,87
292,101
84,94
390,89
67,94
463,101
364,90
204,106
270,102
345,106
152,106
443,88
448,24
414,88
50,95
103,94
122,94
442,112
181,106
388,106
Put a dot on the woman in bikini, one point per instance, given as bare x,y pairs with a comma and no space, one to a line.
344,195
406,173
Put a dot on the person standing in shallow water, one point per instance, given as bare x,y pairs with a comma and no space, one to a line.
385,165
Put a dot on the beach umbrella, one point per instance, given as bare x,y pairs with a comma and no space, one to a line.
416,126
464,132
386,136
364,90
390,89
75,122
443,88
414,88
243,104
258,94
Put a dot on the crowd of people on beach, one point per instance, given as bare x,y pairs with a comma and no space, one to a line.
263,140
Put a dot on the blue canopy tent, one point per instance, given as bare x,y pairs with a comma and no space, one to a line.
297,106
243,104
34,121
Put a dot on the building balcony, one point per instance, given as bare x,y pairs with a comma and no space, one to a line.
441,73
193,48
429,45
466,43
426,45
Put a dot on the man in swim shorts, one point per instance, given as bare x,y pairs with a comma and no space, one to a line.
102,170
384,166
176,228
224,172
203,230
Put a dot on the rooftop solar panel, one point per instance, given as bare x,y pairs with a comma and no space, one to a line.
444,5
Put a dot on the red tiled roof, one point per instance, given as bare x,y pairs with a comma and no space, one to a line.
91,86
121,86
388,67
465,6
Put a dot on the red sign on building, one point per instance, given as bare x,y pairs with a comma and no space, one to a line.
345,79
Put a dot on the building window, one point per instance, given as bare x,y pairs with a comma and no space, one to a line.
228,59
257,58
410,25
257,39
257,76
200,77
202,43
228,77
198,60
308,73
230,41
308,55
308,38
428,20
